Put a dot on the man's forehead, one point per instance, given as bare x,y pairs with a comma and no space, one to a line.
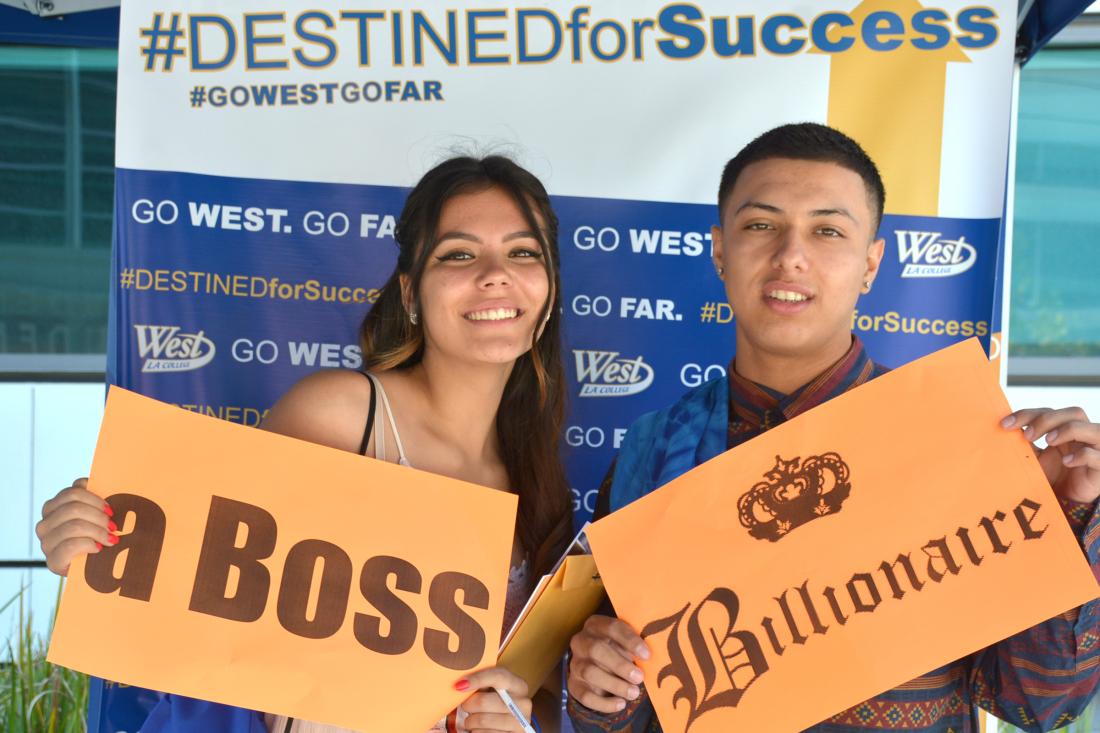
799,186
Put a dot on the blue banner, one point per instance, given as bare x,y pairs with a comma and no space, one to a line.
264,152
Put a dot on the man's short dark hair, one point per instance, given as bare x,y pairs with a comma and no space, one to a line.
808,141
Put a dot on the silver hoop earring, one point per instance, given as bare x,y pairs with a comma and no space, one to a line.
413,317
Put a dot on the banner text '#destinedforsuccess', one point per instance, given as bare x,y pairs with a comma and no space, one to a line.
680,31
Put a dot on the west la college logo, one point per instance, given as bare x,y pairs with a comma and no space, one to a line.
606,374
166,349
926,254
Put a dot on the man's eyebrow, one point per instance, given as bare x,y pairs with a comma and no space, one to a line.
834,212
758,205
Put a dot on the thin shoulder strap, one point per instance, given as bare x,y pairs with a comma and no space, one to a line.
370,416
379,440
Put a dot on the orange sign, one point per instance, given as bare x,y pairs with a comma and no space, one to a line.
890,531
273,574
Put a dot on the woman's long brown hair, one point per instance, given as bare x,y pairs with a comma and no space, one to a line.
532,409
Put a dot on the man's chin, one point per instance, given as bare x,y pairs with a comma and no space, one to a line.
789,343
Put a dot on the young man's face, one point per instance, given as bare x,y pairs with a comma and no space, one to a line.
796,248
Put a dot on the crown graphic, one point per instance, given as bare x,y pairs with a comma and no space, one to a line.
793,493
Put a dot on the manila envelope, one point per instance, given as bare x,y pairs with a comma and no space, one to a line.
269,573
559,610
869,541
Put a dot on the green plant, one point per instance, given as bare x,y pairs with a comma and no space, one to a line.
36,696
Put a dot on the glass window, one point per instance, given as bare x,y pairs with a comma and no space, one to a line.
56,198
1055,314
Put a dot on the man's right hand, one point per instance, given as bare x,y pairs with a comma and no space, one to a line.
75,521
602,673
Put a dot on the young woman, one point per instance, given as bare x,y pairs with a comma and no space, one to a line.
463,378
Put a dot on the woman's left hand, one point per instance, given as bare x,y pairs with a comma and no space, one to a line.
487,713
1071,460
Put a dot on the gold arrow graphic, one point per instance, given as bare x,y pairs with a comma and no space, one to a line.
892,103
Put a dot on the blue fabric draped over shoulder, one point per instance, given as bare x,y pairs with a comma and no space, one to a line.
176,714
663,445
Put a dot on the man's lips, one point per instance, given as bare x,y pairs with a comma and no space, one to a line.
787,292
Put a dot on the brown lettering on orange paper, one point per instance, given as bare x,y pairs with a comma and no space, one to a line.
299,574
374,585
219,553
444,604
141,547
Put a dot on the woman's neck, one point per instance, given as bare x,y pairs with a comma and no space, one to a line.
459,404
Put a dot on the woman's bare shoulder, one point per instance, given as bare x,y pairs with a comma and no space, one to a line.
328,407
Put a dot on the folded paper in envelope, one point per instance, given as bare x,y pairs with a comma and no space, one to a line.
868,541
542,633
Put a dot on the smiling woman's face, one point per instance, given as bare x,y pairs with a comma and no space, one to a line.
796,246
484,285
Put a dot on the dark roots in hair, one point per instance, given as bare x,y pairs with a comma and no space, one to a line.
808,141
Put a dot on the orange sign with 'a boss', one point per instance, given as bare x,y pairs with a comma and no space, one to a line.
875,538
273,574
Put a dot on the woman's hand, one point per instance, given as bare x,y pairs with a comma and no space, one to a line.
75,521
487,713
1071,460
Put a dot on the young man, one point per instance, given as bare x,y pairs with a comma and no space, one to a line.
799,208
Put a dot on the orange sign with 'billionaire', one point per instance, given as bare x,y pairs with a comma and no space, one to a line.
273,574
888,532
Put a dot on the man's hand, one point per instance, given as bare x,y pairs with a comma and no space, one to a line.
1071,460
602,673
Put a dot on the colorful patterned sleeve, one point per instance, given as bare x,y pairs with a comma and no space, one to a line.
1044,677
637,717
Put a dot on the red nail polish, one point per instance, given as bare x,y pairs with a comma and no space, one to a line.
98,546
462,685
108,510
112,540
112,526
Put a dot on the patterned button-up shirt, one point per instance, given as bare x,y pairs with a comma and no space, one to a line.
1039,679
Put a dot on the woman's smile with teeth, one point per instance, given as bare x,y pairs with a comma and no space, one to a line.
788,295
493,314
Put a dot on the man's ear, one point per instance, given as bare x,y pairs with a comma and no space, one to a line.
716,250
875,251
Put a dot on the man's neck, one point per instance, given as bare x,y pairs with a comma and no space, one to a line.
785,373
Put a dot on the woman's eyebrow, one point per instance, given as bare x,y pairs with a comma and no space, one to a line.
467,237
